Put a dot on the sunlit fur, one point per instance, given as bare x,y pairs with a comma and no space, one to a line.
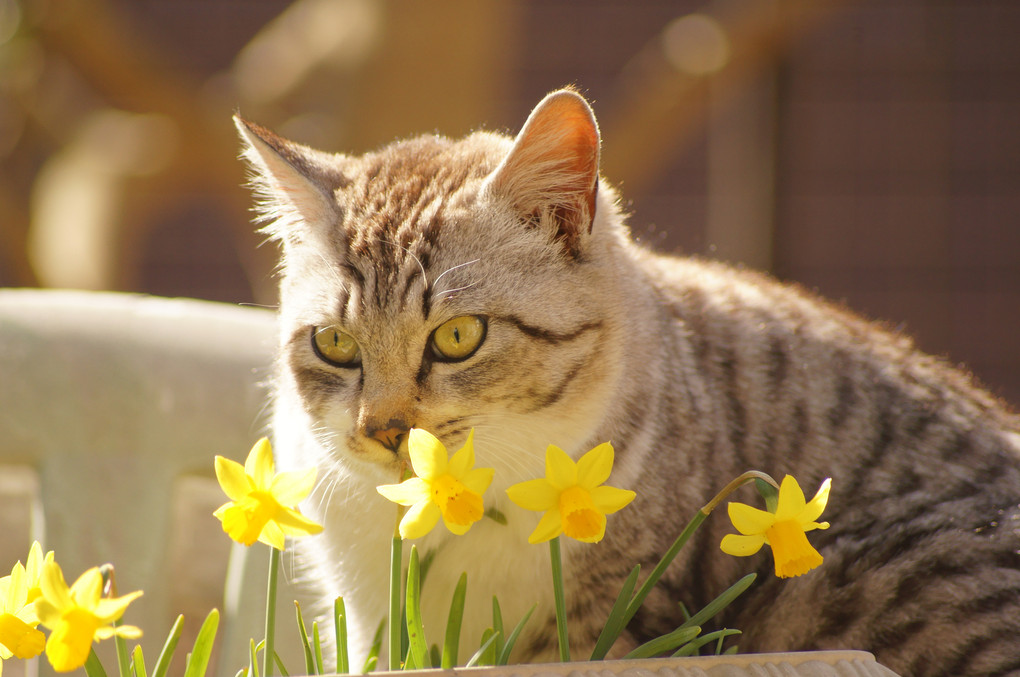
693,370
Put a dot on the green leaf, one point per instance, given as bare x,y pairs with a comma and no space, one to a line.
691,647
93,666
479,657
720,602
199,661
137,662
497,628
305,646
451,643
317,647
253,654
508,646
418,650
667,643
372,659
343,665
615,621
167,652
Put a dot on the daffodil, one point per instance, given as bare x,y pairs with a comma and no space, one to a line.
19,637
78,615
784,530
572,495
262,503
450,488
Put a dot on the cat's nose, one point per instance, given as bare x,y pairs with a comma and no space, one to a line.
390,435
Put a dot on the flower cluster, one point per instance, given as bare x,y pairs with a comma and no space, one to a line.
36,594
572,496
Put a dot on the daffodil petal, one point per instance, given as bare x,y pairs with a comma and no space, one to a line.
549,527
259,464
608,500
88,588
272,535
538,495
456,529
595,466
294,523
741,546
232,478
125,631
464,459
290,488
813,510
419,520
428,455
560,469
791,499
54,586
14,589
749,521
408,492
478,479
108,610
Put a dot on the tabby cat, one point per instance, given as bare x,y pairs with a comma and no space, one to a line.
566,332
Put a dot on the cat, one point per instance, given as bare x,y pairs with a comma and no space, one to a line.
693,370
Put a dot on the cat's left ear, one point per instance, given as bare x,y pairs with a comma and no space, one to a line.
294,184
551,173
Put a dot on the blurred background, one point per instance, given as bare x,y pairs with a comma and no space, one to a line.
867,149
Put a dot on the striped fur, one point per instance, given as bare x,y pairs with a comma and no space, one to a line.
695,371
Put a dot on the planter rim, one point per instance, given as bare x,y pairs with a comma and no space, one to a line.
864,662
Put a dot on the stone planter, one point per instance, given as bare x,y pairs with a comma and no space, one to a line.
800,664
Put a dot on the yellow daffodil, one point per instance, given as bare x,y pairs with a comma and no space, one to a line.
19,637
263,504
572,495
783,530
78,615
448,488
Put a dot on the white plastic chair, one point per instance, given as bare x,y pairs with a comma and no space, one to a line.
112,407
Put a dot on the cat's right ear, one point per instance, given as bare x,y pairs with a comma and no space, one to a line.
551,173
293,184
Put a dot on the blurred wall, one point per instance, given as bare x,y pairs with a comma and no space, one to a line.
864,148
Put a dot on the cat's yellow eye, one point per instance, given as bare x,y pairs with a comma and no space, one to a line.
336,347
459,338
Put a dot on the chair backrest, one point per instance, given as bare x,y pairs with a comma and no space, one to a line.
112,407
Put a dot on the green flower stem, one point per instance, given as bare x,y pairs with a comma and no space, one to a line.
561,603
270,648
609,635
394,616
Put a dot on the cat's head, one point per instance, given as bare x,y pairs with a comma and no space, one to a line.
447,285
